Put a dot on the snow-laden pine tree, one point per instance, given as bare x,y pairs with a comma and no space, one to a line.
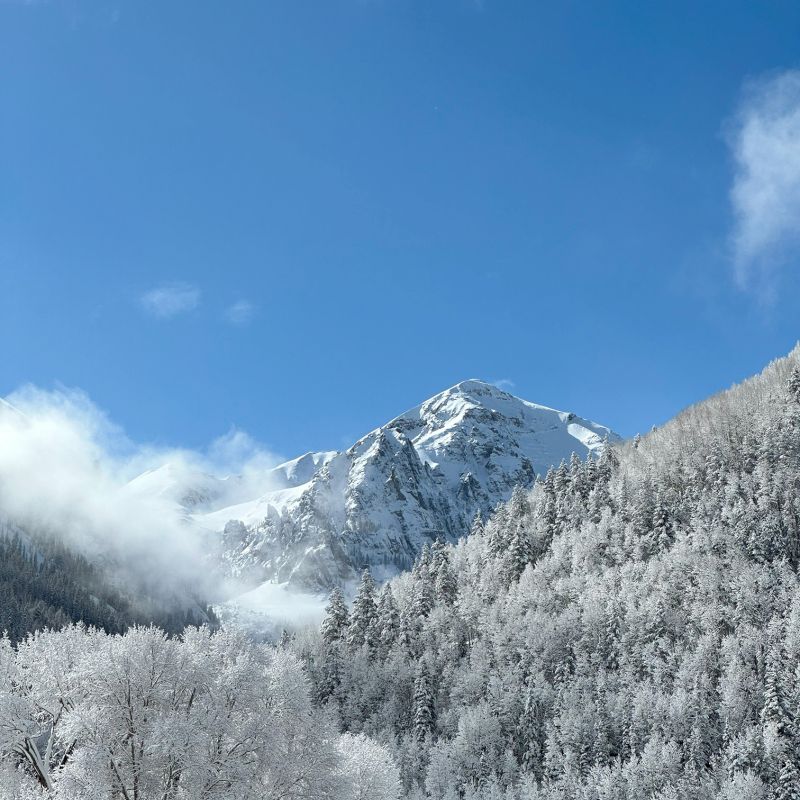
424,711
362,619
337,618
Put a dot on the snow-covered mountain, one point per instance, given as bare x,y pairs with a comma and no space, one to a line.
324,516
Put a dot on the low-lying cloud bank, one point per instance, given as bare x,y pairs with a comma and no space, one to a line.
65,470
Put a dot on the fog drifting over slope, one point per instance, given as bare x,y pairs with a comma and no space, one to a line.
65,469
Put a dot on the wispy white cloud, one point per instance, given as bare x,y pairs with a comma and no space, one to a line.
765,144
240,313
171,299
506,384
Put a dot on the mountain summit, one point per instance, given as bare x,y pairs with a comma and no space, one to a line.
422,476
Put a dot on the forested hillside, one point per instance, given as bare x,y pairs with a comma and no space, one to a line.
630,628
45,584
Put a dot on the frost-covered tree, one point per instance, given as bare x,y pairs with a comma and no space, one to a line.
424,709
368,768
337,617
364,614
387,621
144,716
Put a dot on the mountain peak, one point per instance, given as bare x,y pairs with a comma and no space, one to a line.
474,387
468,398
420,477
477,385
319,520
483,393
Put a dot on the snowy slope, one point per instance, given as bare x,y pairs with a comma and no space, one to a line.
190,490
325,516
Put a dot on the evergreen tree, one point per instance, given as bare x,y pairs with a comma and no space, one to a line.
662,533
519,554
424,713
387,620
422,563
788,787
577,476
362,619
423,597
793,386
446,587
438,553
529,734
337,618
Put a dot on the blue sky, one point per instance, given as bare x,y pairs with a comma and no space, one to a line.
300,218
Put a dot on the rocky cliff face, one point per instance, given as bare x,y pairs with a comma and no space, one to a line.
422,476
